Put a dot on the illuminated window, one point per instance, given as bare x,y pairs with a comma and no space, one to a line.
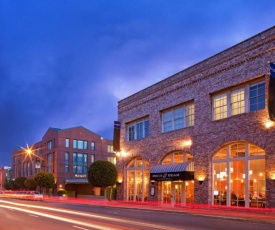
138,176
238,173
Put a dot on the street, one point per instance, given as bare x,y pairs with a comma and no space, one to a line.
27,215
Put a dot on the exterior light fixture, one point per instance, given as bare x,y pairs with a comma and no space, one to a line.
269,124
200,181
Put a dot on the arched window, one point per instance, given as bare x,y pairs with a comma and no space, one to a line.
138,176
239,175
177,158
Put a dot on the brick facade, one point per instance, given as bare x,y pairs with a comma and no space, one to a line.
71,181
243,63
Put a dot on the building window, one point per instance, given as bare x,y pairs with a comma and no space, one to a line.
92,158
138,129
220,106
178,118
79,144
239,101
67,143
137,180
257,96
238,173
93,146
67,162
80,163
49,145
110,149
49,163
112,160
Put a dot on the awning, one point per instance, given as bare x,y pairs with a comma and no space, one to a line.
76,181
173,172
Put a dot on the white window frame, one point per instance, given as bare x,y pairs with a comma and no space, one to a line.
132,131
245,108
169,117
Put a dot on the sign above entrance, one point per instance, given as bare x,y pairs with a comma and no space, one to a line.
173,172
173,176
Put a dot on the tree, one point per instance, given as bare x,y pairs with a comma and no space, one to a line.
6,185
12,185
19,181
44,180
102,174
30,184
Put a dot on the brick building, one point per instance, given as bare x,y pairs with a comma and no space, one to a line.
204,134
5,175
67,154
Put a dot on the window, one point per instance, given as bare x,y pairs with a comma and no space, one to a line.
92,158
79,144
112,160
138,129
237,102
178,118
220,107
49,145
257,96
80,163
50,163
137,180
110,149
247,99
67,162
67,143
239,175
93,146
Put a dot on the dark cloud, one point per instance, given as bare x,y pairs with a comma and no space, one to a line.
67,63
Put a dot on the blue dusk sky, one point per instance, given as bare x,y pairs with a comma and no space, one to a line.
67,63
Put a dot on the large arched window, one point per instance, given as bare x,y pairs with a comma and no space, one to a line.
138,176
239,175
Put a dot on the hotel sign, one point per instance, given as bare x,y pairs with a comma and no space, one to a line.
172,176
80,175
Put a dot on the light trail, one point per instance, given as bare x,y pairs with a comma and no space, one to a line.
95,226
151,226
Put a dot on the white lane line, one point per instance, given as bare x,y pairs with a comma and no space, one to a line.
95,226
33,215
148,225
80,228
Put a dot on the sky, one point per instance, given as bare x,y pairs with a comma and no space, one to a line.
67,63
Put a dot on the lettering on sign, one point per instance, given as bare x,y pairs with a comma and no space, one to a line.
80,175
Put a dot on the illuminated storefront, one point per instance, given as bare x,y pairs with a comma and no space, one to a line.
239,175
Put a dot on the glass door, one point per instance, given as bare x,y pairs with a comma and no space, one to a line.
166,192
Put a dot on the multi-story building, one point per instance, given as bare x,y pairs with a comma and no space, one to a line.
5,175
203,135
67,154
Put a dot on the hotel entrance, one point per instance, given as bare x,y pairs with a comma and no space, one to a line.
177,192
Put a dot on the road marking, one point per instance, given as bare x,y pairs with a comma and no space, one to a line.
80,228
33,215
148,225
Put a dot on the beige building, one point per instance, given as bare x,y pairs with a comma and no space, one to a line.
204,134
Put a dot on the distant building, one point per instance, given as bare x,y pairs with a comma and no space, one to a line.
204,133
67,154
5,175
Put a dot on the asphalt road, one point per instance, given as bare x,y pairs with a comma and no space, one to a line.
42,215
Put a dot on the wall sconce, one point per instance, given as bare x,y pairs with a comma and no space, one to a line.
200,181
153,182
119,181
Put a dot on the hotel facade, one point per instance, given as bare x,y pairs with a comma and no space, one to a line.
203,135
67,154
